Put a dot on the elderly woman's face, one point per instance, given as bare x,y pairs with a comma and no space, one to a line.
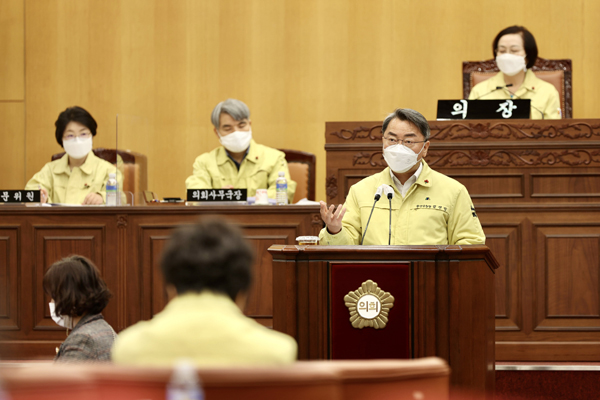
511,44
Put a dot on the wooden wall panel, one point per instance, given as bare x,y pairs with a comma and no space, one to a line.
567,286
165,64
12,49
51,243
503,240
9,278
12,145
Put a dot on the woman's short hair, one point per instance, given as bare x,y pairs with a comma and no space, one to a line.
412,116
529,44
76,114
76,286
211,255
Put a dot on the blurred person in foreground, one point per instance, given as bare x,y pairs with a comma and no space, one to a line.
515,51
207,269
78,177
78,296
428,208
239,162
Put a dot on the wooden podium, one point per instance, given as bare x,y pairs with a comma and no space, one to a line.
443,304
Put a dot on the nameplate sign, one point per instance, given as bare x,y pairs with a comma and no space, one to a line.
20,196
484,109
217,194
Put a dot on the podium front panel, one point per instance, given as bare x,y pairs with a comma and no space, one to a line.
348,342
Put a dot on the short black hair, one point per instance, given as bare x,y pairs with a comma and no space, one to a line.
76,286
76,114
529,44
209,255
412,116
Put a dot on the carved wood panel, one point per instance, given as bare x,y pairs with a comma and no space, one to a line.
9,278
567,272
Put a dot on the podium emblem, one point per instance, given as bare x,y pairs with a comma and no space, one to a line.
369,306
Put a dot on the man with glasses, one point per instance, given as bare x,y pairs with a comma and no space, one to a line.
428,208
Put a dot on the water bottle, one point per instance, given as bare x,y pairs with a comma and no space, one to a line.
281,190
111,190
184,383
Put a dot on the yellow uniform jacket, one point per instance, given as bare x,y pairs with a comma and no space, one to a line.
437,210
70,187
259,170
543,95
207,328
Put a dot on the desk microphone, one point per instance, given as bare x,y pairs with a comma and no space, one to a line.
389,192
377,197
497,88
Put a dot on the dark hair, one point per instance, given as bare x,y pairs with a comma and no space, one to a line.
210,255
76,114
412,116
76,286
529,44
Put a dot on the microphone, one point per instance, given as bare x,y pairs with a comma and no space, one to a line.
377,197
389,192
497,88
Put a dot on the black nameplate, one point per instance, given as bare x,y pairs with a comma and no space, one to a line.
484,109
20,196
217,194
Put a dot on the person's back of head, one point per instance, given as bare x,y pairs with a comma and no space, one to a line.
211,255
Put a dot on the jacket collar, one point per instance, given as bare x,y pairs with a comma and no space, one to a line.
528,84
86,319
424,178
87,167
252,155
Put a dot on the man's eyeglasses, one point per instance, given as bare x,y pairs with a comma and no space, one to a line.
405,142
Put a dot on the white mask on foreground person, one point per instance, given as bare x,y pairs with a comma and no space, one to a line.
237,141
510,64
64,321
78,148
400,158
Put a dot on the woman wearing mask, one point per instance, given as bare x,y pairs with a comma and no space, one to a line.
79,177
515,51
78,296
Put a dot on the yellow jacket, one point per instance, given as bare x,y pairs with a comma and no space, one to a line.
259,170
70,187
437,210
543,95
207,328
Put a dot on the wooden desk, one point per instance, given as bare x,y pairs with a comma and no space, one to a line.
536,189
125,243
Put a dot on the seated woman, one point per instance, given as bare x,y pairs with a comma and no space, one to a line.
515,51
79,177
78,296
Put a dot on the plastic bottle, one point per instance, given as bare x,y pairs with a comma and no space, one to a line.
184,383
111,190
281,190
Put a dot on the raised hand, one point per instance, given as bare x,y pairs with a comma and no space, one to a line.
332,217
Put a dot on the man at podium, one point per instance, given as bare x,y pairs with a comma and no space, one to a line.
407,203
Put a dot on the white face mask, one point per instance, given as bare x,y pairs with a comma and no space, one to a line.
400,158
64,321
78,148
511,64
237,141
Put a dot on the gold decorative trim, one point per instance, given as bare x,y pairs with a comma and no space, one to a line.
368,292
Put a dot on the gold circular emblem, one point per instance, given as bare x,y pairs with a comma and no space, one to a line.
369,306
